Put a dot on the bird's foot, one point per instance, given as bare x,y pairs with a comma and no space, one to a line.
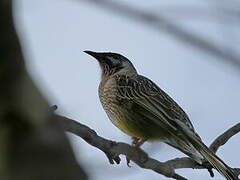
137,142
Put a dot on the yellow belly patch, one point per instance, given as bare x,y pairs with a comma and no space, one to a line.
128,129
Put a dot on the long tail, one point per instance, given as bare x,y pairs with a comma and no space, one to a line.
215,161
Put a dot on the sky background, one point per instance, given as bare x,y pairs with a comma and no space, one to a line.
55,33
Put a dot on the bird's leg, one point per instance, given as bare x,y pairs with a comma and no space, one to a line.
136,142
139,142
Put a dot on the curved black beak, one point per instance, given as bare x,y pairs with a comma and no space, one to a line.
96,55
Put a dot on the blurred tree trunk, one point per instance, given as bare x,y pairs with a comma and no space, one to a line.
32,144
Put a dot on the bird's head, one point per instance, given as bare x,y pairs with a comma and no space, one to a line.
112,63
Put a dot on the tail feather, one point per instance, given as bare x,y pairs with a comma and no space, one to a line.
215,161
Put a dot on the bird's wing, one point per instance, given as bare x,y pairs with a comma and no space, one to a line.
144,93
154,104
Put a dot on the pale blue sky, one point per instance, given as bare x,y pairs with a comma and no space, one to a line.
55,34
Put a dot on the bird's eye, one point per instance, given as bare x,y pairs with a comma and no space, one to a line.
113,61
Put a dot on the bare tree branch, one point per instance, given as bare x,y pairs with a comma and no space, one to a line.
223,138
162,24
114,149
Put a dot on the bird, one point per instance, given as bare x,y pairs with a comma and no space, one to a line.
142,110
